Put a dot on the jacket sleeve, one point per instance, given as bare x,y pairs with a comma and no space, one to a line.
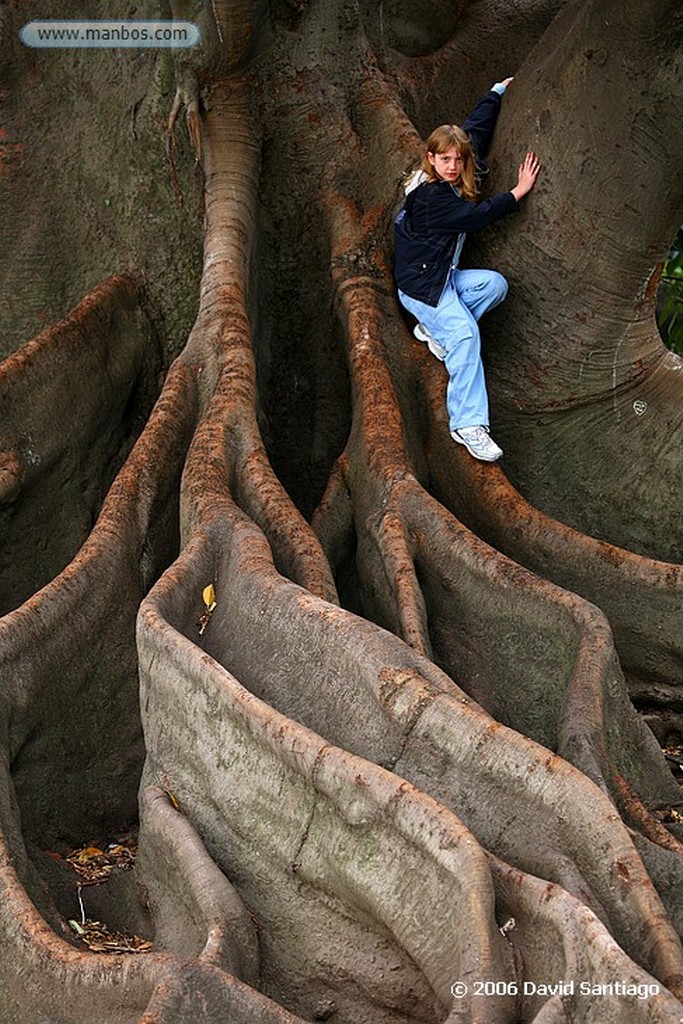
481,122
447,213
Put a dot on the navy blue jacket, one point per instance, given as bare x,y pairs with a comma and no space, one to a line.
434,215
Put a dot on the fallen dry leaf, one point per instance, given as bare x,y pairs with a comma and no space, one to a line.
94,865
209,598
673,816
101,939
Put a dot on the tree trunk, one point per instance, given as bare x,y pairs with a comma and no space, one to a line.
588,398
373,706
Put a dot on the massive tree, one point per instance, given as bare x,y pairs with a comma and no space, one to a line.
371,702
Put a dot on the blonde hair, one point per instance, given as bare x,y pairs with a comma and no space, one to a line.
450,136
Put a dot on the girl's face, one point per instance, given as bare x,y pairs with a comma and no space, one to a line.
447,165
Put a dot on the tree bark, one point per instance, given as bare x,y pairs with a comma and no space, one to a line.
591,412
388,741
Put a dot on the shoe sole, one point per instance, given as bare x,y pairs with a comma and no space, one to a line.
475,454
437,350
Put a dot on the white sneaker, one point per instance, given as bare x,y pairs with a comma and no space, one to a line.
423,335
478,442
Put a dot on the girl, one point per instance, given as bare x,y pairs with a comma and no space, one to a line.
429,233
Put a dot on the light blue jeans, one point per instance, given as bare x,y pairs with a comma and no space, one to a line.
453,323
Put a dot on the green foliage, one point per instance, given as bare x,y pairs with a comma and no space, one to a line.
670,315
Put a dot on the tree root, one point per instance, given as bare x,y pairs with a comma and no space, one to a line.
549,933
204,918
640,596
94,373
424,731
314,850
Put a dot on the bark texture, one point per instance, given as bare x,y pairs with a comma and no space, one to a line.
373,703
597,394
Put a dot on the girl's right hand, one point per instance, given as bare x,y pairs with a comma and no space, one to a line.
526,176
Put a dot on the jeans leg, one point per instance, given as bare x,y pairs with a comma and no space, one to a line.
468,406
466,398
447,321
480,290
453,322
